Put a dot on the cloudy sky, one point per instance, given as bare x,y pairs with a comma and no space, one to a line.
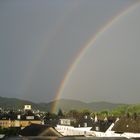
41,39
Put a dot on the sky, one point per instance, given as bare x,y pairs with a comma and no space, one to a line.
40,40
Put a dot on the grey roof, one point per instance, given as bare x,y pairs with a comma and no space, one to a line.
127,125
39,130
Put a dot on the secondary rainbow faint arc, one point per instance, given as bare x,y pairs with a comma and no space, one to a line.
87,45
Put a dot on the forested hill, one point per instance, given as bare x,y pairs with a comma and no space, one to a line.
64,104
67,105
13,103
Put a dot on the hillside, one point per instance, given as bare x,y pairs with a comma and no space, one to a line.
68,104
64,104
13,103
98,106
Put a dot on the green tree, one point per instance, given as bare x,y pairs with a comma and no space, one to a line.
104,113
85,112
60,113
73,114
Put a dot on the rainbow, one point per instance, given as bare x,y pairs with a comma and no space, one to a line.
85,47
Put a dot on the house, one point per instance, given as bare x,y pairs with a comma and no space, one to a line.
28,118
84,121
127,124
27,107
67,121
19,119
101,124
123,128
39,130
7,119
70,127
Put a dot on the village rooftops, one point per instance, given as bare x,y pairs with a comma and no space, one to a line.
127,124
39,130
101,126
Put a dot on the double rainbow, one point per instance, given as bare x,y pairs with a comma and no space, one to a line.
87,45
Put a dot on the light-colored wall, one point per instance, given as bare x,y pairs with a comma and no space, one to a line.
18,123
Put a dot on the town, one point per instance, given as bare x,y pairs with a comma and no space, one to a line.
29,122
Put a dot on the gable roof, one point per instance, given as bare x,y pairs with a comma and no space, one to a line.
102,126
125,124
39,130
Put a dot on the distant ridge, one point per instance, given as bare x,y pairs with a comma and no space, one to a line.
68,104
14,103
64,104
